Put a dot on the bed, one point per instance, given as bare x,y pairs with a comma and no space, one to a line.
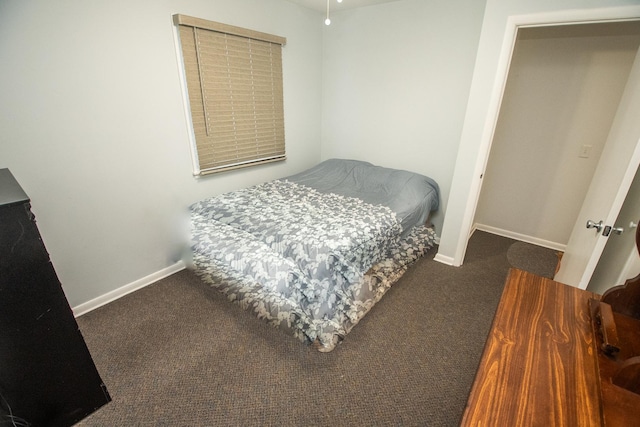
313,252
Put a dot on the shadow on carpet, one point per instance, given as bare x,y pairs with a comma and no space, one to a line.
534,259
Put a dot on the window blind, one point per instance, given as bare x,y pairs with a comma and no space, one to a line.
234,85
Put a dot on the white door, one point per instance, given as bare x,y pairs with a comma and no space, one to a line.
613,176
620,256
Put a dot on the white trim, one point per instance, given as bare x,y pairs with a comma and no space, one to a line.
565,17
521,237
499,84
185,101
127,289
577,16
445,260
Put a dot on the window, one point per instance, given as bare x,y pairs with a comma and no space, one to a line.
234,85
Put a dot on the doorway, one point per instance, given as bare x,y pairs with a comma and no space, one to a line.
562,91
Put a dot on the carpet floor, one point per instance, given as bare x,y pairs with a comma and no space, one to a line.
177,353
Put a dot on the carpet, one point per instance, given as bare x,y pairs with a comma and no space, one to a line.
178,353
534,259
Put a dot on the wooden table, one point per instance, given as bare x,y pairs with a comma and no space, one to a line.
539,363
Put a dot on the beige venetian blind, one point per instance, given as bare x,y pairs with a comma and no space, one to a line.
234,83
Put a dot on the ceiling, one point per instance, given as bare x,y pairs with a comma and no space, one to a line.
321,5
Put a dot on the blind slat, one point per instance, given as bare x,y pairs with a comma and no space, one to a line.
235,90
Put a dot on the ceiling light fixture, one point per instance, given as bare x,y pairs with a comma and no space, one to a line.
328,21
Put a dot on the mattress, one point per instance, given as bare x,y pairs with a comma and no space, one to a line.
312,253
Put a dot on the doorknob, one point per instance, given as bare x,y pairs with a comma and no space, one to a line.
618,230
608,229
597,225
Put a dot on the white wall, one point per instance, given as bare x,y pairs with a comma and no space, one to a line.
396,80
94,129
563,90
475,136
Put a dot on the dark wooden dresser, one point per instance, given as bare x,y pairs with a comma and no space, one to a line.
545,362
47,376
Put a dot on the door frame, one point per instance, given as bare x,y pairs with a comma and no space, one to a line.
514,23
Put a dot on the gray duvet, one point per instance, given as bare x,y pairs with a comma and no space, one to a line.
411,196
304,253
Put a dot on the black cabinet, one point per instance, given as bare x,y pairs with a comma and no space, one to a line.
47,376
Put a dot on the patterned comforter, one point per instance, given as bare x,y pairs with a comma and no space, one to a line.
313,263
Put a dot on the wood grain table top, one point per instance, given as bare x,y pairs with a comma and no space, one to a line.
539,363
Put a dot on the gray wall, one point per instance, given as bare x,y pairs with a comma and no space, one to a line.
94,128
396,81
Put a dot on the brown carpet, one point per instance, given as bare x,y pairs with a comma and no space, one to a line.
534,259
177,353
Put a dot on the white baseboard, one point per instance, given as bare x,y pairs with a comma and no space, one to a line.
444,259
521,237
86,307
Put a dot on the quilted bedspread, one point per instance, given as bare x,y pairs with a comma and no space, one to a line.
313,263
